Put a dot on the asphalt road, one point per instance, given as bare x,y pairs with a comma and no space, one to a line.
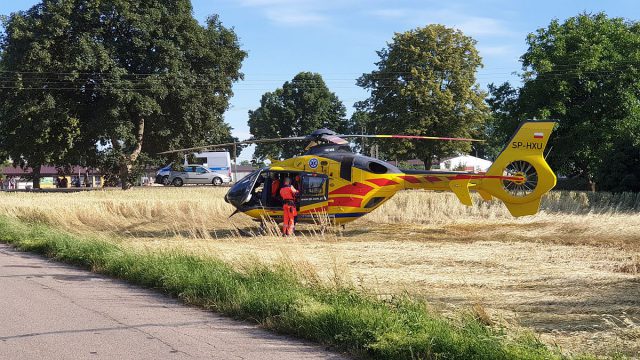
52,311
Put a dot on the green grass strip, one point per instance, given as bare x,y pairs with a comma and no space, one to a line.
343,319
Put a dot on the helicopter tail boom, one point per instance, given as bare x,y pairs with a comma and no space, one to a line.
519,177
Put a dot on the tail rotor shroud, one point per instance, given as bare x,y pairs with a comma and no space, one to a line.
522,160
527,171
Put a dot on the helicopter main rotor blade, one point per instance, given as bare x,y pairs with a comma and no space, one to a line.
411,137
336,139
317,137
213,146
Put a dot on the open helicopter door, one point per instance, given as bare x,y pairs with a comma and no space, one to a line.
242,191
314,193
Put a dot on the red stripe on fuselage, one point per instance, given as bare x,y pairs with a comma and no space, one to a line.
353,189
345,201
382,182
411,179
464,177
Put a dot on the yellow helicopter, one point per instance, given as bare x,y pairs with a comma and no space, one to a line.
333,181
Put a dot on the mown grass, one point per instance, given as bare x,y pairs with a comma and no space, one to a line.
279,299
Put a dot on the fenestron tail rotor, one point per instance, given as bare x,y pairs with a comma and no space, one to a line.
524,170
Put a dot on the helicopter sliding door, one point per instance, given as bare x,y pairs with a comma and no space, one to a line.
314,192
312,187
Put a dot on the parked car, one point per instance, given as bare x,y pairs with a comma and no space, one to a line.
163,175
197,174
218,162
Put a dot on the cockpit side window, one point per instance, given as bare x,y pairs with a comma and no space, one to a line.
374,165
377,168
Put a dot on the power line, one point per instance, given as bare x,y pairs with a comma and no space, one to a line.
46,81
170,74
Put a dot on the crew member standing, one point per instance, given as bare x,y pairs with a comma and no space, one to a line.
275,185
288,194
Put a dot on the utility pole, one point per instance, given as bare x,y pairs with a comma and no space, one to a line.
375,151
235,162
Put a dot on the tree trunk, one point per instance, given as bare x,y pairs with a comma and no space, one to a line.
125,170
590,182
427,162
128,160
35,173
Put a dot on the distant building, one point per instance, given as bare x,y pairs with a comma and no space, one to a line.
50,177
460,162
242,171
466,163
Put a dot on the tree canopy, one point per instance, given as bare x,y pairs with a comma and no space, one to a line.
621,170
503,101
35,129
301,106
584,72
133,77
425,84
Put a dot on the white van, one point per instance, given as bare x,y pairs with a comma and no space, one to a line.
218,162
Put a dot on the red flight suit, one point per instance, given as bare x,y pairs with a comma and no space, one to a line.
288,195
275,185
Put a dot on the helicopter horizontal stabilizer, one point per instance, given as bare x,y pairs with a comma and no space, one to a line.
461,189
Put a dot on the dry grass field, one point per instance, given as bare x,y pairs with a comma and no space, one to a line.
570,273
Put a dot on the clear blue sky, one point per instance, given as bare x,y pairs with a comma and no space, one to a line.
338,38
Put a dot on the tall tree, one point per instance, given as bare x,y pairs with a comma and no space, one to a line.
35,126
139,76
301,106
504,119
584,72
425,84
362,122
621,171
3,153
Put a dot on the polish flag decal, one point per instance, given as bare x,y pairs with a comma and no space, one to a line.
538,135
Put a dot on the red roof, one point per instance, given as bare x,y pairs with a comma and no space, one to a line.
244,168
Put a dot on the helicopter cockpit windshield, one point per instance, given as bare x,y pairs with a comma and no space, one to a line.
241,192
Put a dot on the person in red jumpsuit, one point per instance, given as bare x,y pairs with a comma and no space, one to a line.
275,185
288,194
